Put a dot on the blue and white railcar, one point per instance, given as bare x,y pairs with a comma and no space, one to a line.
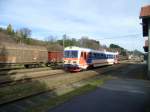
76,58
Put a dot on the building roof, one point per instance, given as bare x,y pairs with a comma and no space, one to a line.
145,11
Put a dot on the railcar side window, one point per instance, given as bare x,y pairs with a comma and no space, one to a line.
102,55
95,55
90,55
106,56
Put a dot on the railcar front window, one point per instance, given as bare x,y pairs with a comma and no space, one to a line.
66,54
71,54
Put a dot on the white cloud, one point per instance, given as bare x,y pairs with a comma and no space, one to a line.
95,18
3,26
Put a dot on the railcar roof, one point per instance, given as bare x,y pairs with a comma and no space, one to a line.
88,50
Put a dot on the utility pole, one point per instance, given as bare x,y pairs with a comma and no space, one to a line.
63,43
149,48
64,37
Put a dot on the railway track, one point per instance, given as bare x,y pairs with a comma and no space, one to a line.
27,77
13,68
54,80
23,70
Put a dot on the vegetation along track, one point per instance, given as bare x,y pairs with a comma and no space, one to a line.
8,80
23,70
36,87
23,76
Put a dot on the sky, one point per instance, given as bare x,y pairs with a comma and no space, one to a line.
108,21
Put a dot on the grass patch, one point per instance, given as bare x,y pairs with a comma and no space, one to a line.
21,90
147,107
99,81
61,99
11,93
52,102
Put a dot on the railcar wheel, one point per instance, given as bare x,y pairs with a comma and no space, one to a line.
90,67
84,70
37,65
47,64
26,66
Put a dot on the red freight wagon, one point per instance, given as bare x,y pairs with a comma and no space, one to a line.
55,56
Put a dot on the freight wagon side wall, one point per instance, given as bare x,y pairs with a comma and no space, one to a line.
55,56
33,56
21,54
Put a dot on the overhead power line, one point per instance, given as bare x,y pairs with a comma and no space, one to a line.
122,36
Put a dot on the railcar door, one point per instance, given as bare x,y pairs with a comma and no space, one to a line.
83,59
116,59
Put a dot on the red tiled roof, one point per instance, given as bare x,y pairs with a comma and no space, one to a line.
145,11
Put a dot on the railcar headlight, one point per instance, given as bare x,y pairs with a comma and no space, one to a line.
74,62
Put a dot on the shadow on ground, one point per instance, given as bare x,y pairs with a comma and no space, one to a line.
127,70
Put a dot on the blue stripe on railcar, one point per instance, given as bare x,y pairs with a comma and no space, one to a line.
95,56
89,60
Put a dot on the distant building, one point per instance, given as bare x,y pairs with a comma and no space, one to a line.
145,16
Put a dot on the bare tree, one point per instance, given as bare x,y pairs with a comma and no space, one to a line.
89,43
51,39
25,32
